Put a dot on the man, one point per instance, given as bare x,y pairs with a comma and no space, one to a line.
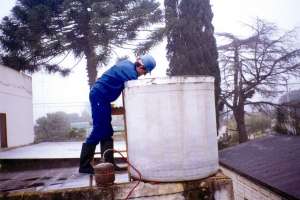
107,89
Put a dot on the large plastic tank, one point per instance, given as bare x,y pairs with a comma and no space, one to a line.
171,128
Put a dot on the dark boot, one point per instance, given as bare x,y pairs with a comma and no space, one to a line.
109,155
86,157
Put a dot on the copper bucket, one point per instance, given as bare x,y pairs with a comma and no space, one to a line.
104,174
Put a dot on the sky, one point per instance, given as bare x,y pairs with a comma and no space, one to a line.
52,92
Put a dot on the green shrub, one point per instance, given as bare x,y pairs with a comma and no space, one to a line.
53,127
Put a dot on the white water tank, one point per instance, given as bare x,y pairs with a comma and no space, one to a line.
171,128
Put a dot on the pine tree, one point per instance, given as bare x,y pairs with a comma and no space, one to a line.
40,30
28,37
191,47
191,44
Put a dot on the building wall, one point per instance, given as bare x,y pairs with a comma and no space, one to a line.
16,103
245,189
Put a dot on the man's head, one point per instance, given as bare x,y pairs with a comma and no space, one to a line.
145,64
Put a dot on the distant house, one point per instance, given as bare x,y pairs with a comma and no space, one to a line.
264,169
16,110
288,117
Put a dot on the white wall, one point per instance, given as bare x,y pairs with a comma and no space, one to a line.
16,102
243,188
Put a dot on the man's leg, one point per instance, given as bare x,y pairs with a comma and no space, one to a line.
107,153
107,150
101,115
86,157
88,148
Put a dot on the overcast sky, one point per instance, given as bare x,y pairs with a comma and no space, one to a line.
50,92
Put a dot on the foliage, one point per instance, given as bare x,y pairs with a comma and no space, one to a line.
257,124
288,114
57,127
227,140
85,116
230,137
77,134
191,47
288,120
258,64
279,126
52,127
28,37
39,31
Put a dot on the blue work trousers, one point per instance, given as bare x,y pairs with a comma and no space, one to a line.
101,115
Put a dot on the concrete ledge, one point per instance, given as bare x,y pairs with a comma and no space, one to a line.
9,165
66,194
217,187
14,165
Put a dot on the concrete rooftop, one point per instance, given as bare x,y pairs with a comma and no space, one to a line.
41,167
49,179
51,150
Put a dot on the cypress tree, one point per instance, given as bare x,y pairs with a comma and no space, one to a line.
191,47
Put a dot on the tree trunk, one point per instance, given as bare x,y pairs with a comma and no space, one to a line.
238,99
89,45
91,67
239,115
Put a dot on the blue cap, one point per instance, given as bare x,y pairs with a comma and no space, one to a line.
148,62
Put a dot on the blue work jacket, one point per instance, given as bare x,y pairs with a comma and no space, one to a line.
111,83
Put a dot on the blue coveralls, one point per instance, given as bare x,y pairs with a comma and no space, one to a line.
107,89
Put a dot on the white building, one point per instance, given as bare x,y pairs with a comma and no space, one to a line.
16,109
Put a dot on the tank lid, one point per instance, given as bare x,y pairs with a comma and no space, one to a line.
170,80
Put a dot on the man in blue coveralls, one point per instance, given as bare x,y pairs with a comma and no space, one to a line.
107,89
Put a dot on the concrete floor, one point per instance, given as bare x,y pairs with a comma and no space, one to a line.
48,178
51,150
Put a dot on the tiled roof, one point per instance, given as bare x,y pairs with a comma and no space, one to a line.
273,161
